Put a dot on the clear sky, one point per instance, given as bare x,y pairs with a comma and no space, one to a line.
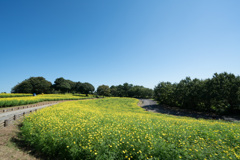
116,41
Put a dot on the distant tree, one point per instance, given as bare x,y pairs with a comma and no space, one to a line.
126,88
164,93
223,90
103,90
40,85
140,92
62,85
72,86
84,88
147,93
33,85
88,88
129,90
220,94
114,91
23,87
120,91
237,106
77,87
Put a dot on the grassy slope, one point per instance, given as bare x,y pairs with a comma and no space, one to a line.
116,128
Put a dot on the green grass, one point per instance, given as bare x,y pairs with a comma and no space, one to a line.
116,128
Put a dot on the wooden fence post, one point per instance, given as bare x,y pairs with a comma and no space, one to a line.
15,117
6,123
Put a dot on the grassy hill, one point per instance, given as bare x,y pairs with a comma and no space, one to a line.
117,128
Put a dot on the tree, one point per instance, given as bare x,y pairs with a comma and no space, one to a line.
129,90
23,87
62,85
78,87
114,91
126,88
103,90
223,90
140,92
220,94
85,88
88,88
33,85
72,86
164,93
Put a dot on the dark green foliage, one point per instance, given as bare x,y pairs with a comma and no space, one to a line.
129,90
164,93
221,94
33,85
72,86
62,85
85,88
103,90
114,91
23,87
223,89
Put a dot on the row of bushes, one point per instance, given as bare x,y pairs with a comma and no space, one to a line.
220,94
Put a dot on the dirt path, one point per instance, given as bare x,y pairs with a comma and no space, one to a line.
10,142
151,105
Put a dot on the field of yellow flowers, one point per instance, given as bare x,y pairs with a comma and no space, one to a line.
8,95
22,99
117,128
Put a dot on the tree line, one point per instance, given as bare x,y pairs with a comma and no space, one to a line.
40,85
219,94
130,90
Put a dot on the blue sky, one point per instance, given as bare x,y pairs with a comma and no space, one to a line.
112,42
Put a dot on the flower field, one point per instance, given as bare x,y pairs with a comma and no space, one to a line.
8,95
23,99
116,128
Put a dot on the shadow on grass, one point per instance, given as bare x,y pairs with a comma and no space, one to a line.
164,109
27,148
30,150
